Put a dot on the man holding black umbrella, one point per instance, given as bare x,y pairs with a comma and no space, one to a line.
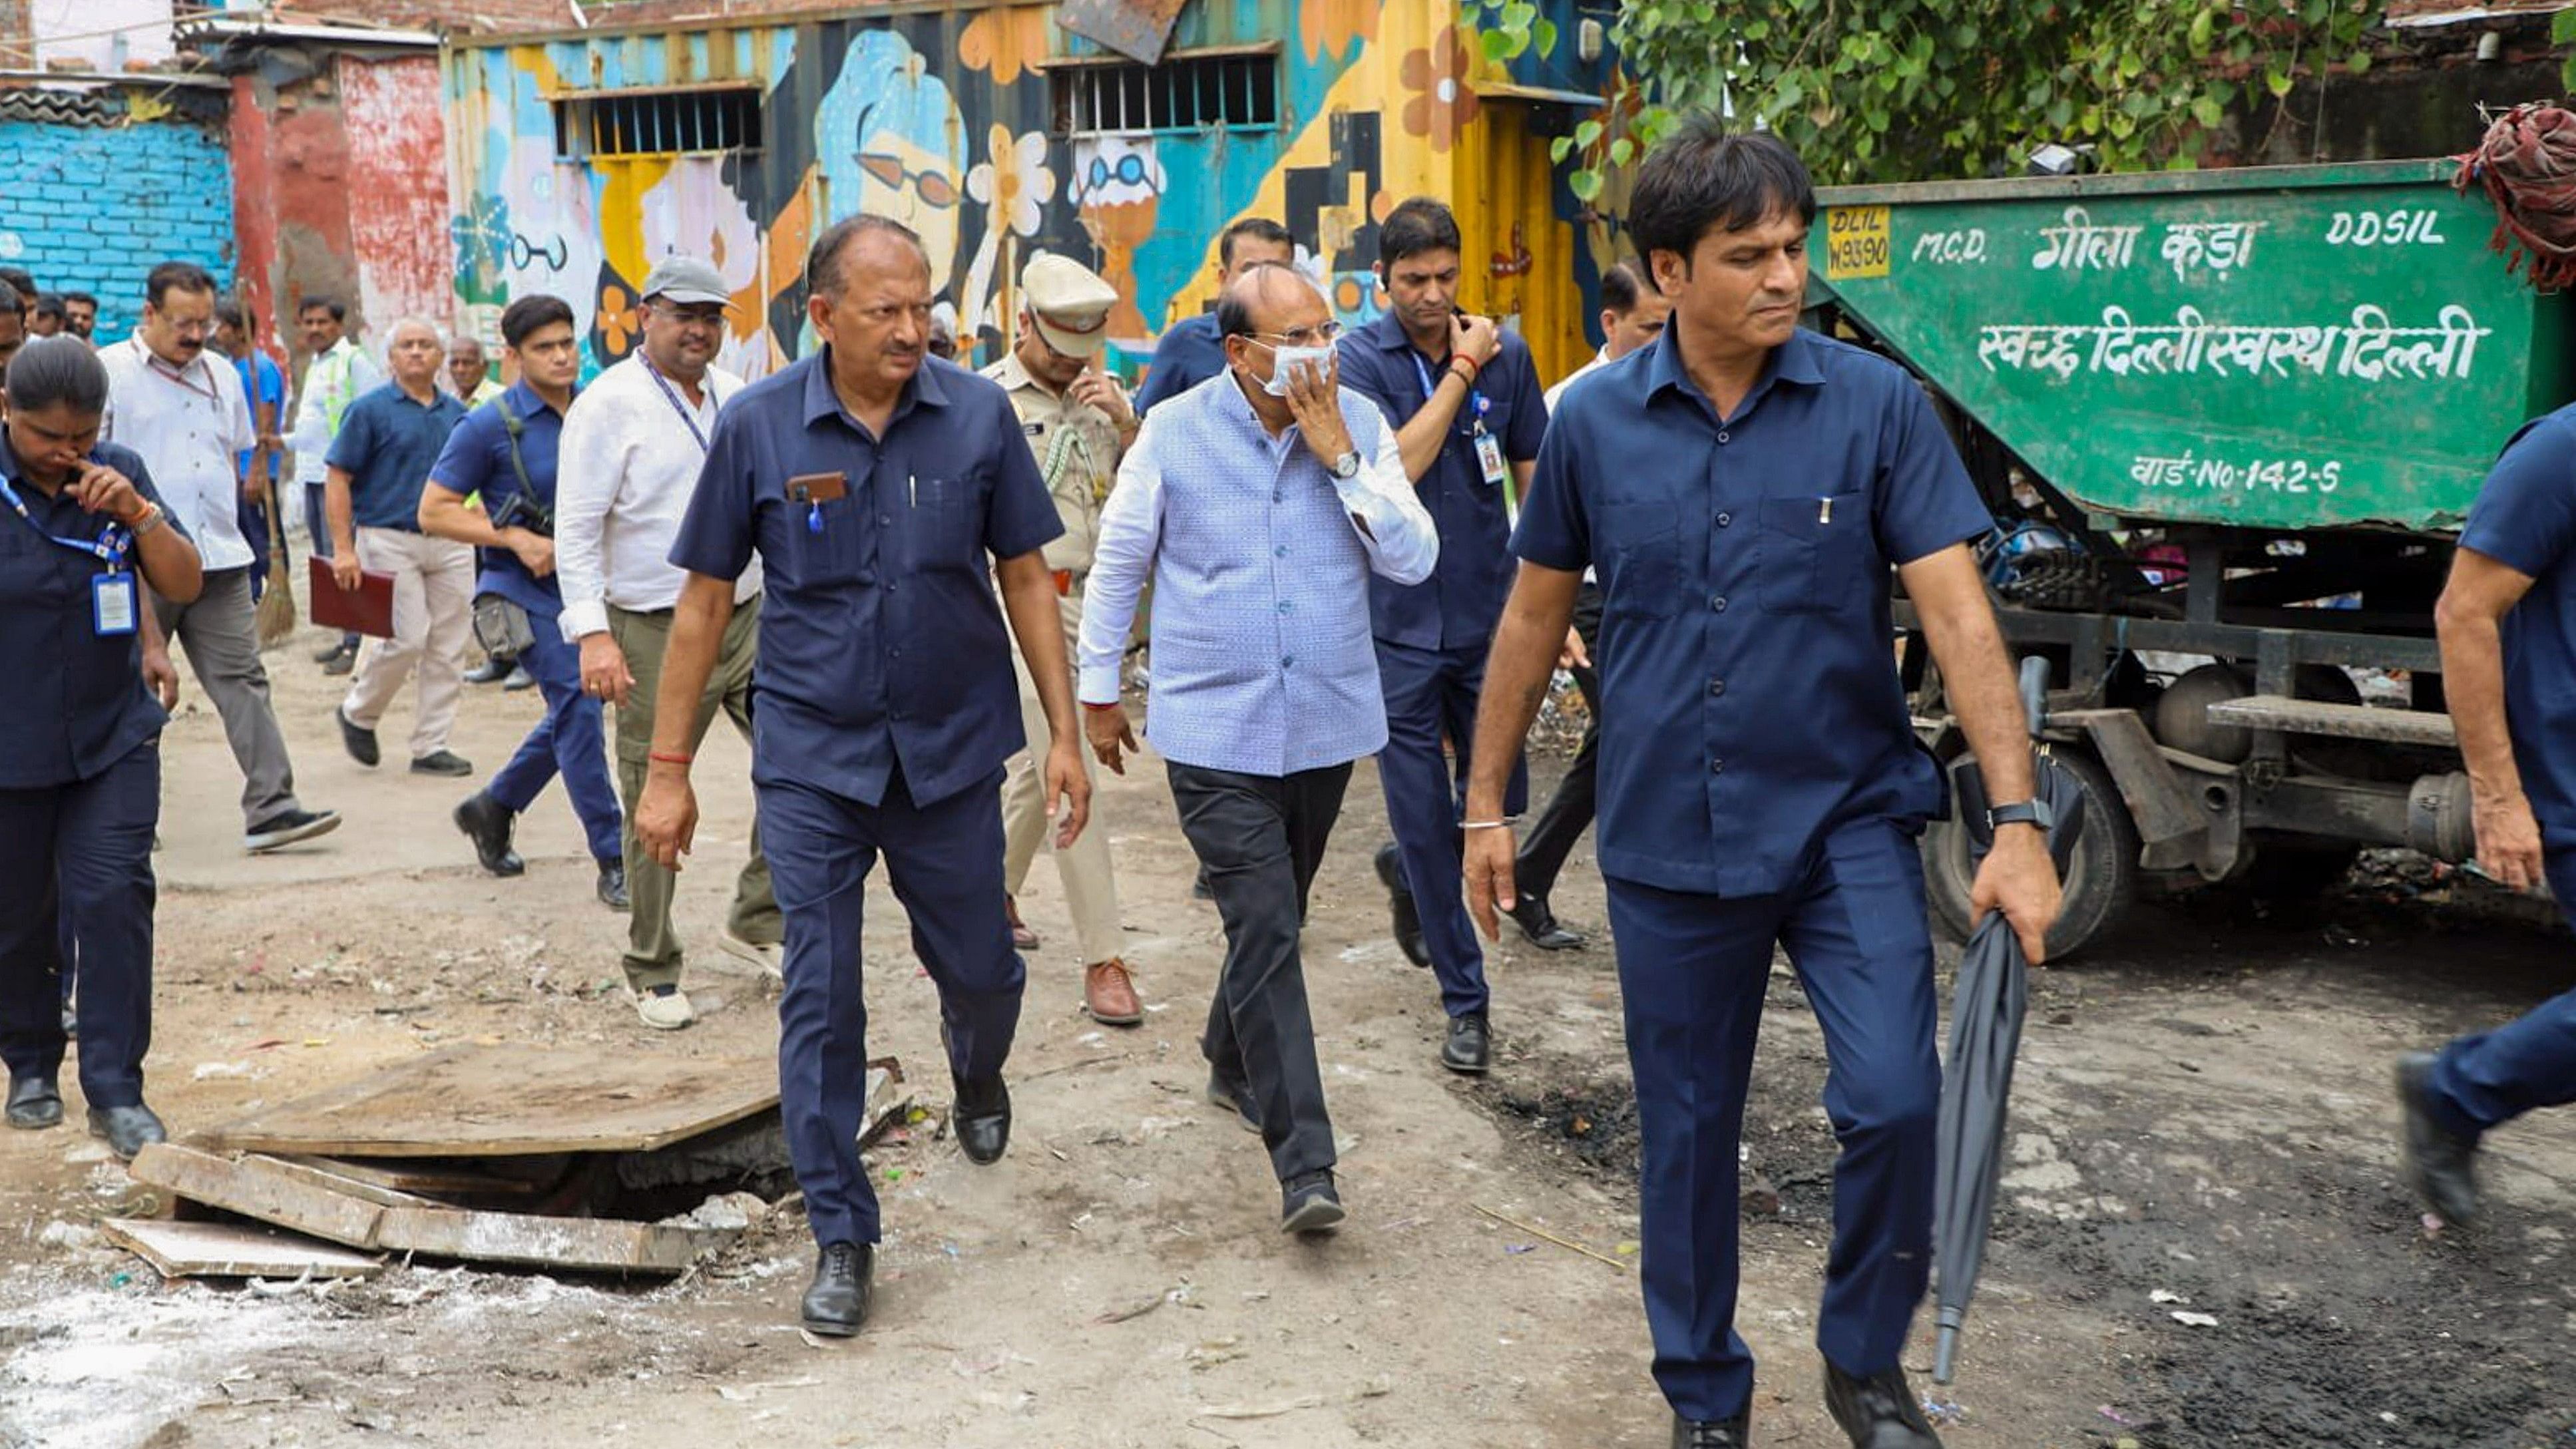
1735,593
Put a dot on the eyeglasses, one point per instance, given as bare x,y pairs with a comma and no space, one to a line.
706,316
934,188
1322,334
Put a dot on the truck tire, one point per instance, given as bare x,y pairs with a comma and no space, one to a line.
2100,880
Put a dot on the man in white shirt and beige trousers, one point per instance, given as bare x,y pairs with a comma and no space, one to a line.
633,445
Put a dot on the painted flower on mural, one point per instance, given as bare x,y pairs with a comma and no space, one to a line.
620,321
1015,183
1442,104
1005,41
1329,26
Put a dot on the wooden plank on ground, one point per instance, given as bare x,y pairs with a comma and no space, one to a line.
404,1176
233,1250
313,1173
260,1188
603,1245
513,1100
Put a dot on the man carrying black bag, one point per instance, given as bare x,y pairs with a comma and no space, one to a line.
506,451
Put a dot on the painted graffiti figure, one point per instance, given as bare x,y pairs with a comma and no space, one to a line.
883,492
1259,505
633,444
1751,568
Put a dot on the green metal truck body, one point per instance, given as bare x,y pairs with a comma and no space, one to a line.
2271,347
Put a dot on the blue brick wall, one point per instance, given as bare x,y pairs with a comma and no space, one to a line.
92,209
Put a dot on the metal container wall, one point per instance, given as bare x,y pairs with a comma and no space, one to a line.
2291,347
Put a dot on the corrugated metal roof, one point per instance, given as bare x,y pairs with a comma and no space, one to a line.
98,107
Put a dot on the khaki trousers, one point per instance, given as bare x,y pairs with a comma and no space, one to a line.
1090,888
653,952
433,618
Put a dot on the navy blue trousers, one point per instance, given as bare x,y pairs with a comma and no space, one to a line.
82,851
945,863
1693,969
1431,694
569,741
2489,1078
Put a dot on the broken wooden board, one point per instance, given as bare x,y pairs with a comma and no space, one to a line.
362,1215
513,1100
231,1250
395,1174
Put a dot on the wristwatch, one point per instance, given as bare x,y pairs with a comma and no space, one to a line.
2026,812
1347,466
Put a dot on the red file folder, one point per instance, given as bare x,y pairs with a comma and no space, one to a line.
368,609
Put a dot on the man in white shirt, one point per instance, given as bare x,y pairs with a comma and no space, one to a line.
633,444
337,373
184,413
1632,315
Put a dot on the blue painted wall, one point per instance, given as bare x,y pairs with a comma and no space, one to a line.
94,209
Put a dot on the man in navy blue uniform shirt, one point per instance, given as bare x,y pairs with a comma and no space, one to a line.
1192,350
506,451
2507,622
1760,781
883,491
1468,413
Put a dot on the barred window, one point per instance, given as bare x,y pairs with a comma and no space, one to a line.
658,123
1184,93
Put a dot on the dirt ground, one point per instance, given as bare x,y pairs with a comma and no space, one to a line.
2202,1125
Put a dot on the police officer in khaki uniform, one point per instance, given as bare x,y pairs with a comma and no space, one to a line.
1077,422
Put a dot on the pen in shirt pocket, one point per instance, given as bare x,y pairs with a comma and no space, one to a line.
1824,511
912,490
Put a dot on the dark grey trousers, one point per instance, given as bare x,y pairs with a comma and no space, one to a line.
1261,838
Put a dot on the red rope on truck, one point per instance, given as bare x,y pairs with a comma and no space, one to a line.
2527,166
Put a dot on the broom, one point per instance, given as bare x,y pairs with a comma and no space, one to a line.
277,602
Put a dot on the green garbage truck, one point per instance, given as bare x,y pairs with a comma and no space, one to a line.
2230,423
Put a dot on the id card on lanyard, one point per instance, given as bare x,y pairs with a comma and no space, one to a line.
1489,449
114,602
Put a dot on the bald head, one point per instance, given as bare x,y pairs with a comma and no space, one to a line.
1268,298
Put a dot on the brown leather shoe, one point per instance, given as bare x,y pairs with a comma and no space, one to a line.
1022,938
1109,994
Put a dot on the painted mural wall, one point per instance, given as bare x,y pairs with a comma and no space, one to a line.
94,208
942,118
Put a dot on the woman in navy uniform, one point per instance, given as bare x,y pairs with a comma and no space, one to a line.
82,533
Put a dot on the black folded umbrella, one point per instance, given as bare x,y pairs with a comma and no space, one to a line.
1985,1034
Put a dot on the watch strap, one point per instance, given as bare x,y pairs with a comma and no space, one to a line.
2020,812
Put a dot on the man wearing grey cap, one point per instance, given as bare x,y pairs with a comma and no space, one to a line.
1078,424
633,443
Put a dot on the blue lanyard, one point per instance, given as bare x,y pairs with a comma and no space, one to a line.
1476,398
673,398
109,546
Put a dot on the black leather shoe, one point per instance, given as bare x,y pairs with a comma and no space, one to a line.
1408,918
1735,1433
35,1103
1541,926
1470,1048
493,669
1200,890
2441,1165
982,1118
1308,1204
1236,1098
442,762
128,1130
330,652
612,885
844,1286
488,824
1878,1412
343,660
360,743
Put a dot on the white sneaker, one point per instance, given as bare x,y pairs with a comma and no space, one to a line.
665,1008
770,958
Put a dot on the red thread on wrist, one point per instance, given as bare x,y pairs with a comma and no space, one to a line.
1102,708
669,757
